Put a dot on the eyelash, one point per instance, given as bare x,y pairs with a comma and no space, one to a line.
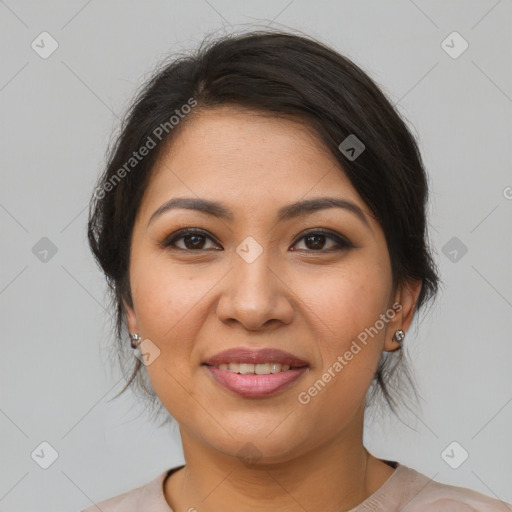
169,241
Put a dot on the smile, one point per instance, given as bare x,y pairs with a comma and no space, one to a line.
251,384
258,369
255,373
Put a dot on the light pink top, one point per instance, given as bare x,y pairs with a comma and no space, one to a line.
405,490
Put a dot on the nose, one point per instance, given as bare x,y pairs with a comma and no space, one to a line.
255,296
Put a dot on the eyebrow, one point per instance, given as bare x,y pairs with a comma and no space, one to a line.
293,210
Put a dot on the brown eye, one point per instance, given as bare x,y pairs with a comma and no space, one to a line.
193,240
315,241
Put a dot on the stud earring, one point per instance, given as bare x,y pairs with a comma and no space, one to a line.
135,340
399,336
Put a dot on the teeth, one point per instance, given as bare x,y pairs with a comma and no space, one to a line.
262,369
258,369
245,368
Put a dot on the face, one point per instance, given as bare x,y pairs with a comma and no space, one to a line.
288,291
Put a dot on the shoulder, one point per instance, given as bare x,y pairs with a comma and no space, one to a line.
146,497
423,494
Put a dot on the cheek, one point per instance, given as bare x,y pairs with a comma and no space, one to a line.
168,305
351,301
337,388
346,308
166,298
171,304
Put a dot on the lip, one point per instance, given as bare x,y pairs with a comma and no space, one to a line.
254,385
255,356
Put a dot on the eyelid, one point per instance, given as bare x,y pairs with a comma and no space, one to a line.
171,239
342,241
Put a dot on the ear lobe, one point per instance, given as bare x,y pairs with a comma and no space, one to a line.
131,318
409,294
406,296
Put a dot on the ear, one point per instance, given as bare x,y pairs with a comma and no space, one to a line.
406,296
131,318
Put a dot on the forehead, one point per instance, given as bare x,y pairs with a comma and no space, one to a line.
248,158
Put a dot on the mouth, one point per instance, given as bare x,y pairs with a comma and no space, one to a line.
256,369
255,373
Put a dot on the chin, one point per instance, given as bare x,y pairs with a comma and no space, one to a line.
257,449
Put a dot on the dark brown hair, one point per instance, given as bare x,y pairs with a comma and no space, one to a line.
287,75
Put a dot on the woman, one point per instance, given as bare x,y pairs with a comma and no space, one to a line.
261,223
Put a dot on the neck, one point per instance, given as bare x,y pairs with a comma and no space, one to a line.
335,477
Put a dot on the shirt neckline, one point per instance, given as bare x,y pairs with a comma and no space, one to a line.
378,498
368,504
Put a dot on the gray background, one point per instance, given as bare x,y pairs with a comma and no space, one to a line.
57,116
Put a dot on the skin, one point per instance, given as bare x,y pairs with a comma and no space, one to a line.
307,297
